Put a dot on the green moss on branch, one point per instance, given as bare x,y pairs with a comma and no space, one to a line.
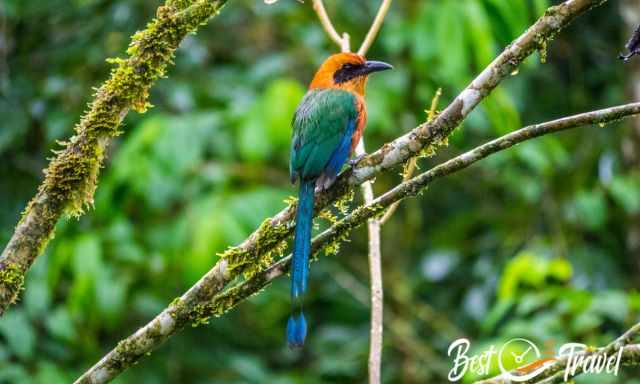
330,239
71,177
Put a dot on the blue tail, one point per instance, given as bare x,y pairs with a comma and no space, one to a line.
297,325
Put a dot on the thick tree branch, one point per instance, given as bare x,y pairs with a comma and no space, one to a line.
555,373
71,177
199,304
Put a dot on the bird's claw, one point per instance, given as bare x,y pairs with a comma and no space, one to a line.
626,57
354,161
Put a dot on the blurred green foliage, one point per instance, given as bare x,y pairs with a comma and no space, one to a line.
536,242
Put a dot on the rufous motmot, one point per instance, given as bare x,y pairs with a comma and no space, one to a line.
327,126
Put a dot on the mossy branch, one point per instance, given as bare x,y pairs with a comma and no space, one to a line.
71,177
197,305
327,240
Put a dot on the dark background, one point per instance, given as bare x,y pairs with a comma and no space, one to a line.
541,241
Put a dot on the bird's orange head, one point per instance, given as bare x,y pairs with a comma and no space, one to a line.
348,71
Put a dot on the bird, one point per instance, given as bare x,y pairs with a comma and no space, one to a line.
327,126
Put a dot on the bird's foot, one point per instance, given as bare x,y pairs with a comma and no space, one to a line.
628,56
355,160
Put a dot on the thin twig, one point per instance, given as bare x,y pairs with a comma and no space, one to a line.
375,267
373,230
199,303
411,165
342,41
377,301
375,27
375,277
346,42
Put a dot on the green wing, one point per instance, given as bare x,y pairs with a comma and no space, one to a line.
319,125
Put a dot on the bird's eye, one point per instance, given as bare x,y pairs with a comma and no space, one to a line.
348,66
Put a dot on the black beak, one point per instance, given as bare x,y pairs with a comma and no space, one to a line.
371,66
